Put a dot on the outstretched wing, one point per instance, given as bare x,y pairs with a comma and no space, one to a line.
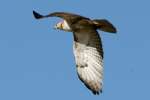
69,17
89,59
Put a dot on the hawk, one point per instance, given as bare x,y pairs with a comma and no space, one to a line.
87,45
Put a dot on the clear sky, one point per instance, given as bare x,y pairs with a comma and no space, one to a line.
37,62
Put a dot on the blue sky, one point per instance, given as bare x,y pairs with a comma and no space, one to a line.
37,63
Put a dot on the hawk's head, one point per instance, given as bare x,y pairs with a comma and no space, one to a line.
63,25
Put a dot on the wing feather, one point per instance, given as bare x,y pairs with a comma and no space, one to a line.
89,59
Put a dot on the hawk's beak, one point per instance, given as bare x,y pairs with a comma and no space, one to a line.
58,26
55,27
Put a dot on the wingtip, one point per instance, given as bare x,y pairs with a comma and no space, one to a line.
97,92
114,30
37,15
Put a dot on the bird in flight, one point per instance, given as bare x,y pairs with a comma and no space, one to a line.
87,45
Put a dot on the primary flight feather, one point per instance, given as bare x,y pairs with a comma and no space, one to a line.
87,45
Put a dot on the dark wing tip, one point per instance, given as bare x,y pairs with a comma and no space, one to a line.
37,15
113,30
97,92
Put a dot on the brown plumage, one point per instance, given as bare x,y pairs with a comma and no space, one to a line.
87,45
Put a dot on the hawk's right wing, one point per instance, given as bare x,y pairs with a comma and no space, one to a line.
89,59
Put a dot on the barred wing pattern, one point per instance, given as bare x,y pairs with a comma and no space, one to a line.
89,59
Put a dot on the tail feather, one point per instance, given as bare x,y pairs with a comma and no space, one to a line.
104,25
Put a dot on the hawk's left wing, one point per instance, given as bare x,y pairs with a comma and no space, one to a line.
69,17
